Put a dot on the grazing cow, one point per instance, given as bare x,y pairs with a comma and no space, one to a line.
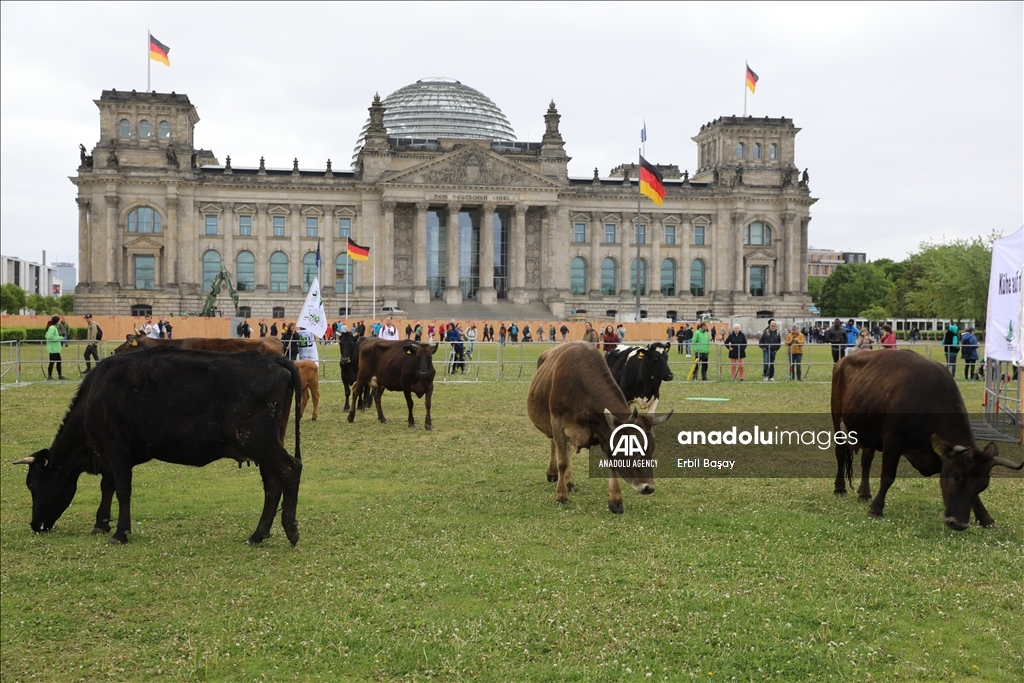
575,401
901,403
640,371
310,376
404,366
140,342
179,406
348,344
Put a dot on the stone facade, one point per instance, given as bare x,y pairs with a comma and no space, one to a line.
155,213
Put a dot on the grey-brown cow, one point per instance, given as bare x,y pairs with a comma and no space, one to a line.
140,342
574,401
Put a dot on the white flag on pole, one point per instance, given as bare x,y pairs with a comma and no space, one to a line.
313,317
1004,339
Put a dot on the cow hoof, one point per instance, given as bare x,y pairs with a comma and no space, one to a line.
429,428
412,425
841,494
990,524
864,499
570,487
383,420
293,537
351,418
874,514
99,531
616,508
552,478
256,539
114,540
562,503
313,420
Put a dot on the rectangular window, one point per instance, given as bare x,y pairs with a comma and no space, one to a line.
698,234
670,234
641,234
145,272
245,226
211,225
609,233
278,226
312,226
579,232
757,280
344,227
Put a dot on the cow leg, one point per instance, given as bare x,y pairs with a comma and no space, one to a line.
106,498
408,402
427,395
123,489
315,391
377,393
355,392
305,400
290,476
552,473
844,465
271,497
562,463
867,455
614,494
981,514
348,392
890,461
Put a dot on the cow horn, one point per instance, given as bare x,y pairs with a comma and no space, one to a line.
633,415
1006,462
957,450
653,407
661,418
25,461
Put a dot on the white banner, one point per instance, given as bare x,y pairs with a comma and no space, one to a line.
313,317
1003,338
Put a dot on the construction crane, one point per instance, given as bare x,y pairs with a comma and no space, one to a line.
223,278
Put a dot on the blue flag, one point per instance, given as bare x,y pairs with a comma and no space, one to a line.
317,252
643,133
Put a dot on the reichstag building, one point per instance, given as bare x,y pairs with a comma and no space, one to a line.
454,209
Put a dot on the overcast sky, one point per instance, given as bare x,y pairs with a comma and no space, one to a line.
912,115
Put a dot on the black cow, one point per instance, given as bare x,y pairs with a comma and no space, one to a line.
901,403
640,371
179,406
349,344
404,366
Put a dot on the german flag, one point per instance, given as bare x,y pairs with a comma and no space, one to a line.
751,79
356,252
651,184
158,51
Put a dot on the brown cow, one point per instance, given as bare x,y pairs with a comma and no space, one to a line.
140,342
904,404
310,376
404,366
574,400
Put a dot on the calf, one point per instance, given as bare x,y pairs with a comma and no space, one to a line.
640,371
574,401
404,366
179,406
349,344
310,376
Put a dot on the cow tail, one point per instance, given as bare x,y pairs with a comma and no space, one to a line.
297,382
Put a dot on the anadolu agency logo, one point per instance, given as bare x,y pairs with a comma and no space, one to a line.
628,445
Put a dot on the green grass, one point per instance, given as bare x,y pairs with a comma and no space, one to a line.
442,556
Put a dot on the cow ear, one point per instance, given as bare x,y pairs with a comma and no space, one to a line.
941,446
433,348
633,415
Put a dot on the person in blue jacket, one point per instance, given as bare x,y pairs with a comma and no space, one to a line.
969,351
851,332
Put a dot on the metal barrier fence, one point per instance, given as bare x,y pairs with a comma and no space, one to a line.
1004,399
27,361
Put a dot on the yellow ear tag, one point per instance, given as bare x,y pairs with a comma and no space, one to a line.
640,355
135,343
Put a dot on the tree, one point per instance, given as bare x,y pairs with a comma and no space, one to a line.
12,299
950,280
814,285
66,302
852,288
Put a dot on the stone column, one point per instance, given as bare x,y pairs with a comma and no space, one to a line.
327,269
486,294
84,241
111,248
686,239
518,265
229,225
452,291
596,235
736,240
171,232
627,251
801,272
654,270
262,254
387,287
420,294
295,250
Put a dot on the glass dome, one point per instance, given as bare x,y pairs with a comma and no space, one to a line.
435,108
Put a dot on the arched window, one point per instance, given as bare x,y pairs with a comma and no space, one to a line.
633,277
309,270
164,130
211,267
125,128
278,272
343,273
698,271
609,276
757,234
757,150
668,277
773,151
143,219
739,150
578,276
143,129
245,271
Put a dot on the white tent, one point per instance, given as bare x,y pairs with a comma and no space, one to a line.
1004,339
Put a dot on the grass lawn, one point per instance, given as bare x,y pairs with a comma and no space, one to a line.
442,556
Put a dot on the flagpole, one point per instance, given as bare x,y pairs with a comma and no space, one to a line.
374,309
636,230
746,68
149,65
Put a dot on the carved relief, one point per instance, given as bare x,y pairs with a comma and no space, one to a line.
405,216
476,169
533,255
